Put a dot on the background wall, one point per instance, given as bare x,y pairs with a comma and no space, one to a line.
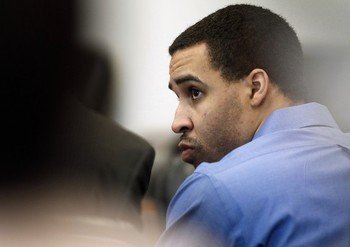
136,34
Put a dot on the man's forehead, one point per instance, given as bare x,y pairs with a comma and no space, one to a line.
188,55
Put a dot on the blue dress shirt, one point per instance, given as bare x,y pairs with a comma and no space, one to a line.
289,186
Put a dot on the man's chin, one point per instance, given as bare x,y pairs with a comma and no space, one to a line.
189,156
195,163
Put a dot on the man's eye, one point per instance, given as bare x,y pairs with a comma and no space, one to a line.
195,93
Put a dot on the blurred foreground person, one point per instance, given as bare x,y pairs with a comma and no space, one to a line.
271,169
70,176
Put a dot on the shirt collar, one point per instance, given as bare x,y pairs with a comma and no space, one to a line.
295,117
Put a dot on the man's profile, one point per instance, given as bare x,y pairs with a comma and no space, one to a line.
271,169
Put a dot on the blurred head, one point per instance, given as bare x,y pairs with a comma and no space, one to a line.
37,36
230,71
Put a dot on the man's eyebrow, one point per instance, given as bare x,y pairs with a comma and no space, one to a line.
187,78
184,79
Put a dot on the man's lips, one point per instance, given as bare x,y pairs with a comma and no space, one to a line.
186,151
184,146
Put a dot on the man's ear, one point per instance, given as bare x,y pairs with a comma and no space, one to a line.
258,83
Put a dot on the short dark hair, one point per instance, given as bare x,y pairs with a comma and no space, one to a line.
243,37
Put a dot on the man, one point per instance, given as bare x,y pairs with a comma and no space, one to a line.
271,170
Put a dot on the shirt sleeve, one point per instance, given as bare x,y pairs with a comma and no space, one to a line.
197,216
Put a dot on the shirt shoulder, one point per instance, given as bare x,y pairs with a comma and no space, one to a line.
273,180
199,215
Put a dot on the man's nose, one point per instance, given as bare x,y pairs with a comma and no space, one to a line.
182,122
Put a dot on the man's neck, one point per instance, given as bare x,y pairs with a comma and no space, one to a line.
276,101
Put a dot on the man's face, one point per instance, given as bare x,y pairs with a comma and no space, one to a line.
210,113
